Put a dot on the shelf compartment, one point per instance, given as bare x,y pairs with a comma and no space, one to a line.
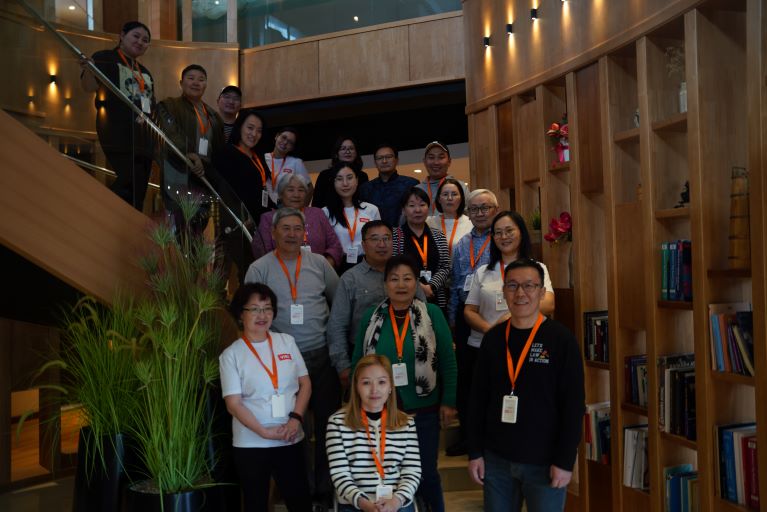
680,440
560,167
675,304
733,378
673,213
636,409
631,135
598,364
674,123
728,506
729,273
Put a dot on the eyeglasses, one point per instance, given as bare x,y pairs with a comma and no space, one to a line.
508,232
259,311
526,287
384,157
449,195
378,239
473,210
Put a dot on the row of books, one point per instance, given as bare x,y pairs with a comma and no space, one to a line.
676,395
596,338
635,379
731,334
597,432
681,488
636,471
676,270
738,473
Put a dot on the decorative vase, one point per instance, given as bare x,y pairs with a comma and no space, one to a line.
143,499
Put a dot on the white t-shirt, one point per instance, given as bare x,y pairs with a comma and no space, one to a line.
280,166
464,227
487,293
242,374
367,212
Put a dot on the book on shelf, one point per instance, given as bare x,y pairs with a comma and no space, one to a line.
731,337
677,486
635,379
596,337
597,432
738,476
676,270
635,466
676,394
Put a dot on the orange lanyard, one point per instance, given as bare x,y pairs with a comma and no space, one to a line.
135,69
293,286
432,206
399,337
203,126
353,229
254,159
273,373
275,172
423,252
452,235
472,261
382,428
514,372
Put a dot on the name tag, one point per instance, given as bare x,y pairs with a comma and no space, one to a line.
384,492
509,410
202,149
264,199
400,374
351,254
426,275
146,105
500,302
467,282
279,406
296,314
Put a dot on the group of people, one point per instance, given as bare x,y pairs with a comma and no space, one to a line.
416,301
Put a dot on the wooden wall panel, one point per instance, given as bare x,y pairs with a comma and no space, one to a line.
368,60
480,171
506,145
436,50
589,140
289,71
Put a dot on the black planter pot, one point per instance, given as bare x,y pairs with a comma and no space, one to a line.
197,500
102,487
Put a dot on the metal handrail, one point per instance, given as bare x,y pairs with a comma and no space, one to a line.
102,170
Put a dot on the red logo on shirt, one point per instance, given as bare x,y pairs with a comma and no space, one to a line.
364,219
284,357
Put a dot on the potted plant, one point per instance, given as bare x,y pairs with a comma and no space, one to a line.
534,220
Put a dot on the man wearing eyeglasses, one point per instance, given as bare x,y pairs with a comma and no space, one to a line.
527,402
359,288
386,190
229,103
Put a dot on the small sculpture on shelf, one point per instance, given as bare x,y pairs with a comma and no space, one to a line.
675,69
635,119
684,196
559,133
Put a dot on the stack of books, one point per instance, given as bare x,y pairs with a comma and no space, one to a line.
596,339
635,379
738,473
731,334
597,432
676,270
636,472
676,395
681,488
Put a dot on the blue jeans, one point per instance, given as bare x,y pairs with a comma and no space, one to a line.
350,508
430,490
507,484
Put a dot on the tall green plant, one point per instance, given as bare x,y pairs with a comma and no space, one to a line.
179,363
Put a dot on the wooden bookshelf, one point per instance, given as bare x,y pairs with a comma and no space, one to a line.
674,123
675,304
729,273
630,135
733,378
673,213
679,440
636,409
597,364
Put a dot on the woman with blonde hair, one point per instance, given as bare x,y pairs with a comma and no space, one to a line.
372,446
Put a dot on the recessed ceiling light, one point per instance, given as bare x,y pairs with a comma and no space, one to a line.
356,18
417,170
216,2
71,7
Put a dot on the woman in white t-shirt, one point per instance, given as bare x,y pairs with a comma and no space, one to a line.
485,305
280,162
266,388
450,220
347,214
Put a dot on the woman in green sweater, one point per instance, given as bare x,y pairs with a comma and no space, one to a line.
415,336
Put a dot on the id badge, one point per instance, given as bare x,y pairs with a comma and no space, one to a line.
264,199
509,411
202,150
467,283
426,274
400,374
279,406
296,314
351,255
146,105
384,492
500,302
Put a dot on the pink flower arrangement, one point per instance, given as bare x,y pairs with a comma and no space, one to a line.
560,229
559,133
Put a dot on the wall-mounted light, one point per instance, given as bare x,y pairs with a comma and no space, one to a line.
100,103
52,78
533,14
509,29
486,41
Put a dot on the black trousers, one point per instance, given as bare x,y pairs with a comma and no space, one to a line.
255,467
133,172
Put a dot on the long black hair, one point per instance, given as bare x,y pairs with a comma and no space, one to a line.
236,135
335,204
525,246
461,206
356,164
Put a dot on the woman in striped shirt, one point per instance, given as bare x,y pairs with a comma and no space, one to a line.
372,446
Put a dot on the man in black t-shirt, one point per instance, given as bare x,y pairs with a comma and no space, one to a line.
229,103
527,402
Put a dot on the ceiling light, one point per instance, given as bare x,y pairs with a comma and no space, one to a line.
417,171
71,7
356,18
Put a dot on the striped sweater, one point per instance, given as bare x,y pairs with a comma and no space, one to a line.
353,470
439,266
